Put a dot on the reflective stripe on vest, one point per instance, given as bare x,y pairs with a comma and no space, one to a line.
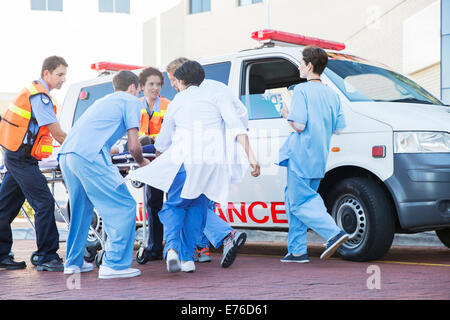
21,112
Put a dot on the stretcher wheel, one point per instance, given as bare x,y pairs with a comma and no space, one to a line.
141,256
34,258
137,184
89,254
99,258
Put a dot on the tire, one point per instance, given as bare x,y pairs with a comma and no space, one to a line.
444,236
141,256
362,209
89,254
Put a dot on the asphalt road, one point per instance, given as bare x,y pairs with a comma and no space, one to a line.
405,273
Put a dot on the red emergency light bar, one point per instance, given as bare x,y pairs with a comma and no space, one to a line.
275,35
111,66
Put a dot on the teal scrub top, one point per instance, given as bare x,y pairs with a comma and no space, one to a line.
105,122
319,108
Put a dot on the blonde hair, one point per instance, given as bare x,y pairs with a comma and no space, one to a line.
175,64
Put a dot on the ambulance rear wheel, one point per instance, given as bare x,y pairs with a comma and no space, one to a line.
444,236
363,210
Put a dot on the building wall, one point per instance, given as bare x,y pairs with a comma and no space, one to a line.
80,33
371,29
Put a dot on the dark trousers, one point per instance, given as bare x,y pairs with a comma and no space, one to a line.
155,227
24,180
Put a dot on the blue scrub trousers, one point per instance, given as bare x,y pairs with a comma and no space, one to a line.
305,209
183,219
94,184
25,180
216,229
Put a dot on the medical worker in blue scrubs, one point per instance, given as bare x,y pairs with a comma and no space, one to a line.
93,181
315,115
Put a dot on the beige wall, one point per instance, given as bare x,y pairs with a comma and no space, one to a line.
5,100
372,29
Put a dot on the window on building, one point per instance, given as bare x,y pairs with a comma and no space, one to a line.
118,6
247,2
266,85
197,6
47,5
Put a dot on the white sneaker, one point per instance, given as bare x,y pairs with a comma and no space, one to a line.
108,273
86,267
172,261
187,266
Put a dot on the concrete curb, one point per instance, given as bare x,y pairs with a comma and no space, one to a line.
426,239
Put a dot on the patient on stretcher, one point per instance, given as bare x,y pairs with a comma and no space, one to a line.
121,147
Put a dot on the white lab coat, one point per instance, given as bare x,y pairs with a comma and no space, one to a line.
237,158
193,133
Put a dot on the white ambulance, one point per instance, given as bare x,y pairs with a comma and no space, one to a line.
387,173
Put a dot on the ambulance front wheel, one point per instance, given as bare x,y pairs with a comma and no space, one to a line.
363,210
444,236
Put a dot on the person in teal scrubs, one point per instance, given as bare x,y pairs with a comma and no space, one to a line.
93,181
315,114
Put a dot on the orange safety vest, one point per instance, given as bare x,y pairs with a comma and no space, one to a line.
151,125
16,121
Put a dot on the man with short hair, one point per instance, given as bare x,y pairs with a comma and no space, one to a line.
27,131
315,115
92,180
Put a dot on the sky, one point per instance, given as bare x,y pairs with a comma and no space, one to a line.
80,34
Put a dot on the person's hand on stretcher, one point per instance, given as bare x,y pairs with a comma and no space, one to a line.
146,142
135,148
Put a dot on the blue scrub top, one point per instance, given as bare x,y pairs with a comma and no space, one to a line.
105,122
42,111
319,108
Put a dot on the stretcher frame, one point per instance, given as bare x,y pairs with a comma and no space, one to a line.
125,163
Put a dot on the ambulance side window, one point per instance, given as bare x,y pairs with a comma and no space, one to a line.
88,96
218,71
266,84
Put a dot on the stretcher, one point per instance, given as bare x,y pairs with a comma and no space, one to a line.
97,236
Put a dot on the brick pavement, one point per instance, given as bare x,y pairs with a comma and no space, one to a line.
257,274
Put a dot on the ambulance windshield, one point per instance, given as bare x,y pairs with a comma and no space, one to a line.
361,80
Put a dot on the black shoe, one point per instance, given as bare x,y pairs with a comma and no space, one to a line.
9,264
54,265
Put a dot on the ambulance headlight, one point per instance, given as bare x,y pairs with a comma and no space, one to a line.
421,142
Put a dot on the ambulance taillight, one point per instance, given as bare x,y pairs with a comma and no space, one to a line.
293,38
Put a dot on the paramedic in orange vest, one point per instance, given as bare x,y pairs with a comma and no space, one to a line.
152,113
27,130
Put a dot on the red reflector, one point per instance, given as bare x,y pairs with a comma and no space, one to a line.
84,95
269,34
379,151
111,66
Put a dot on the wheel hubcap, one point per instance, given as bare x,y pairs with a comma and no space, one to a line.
350,216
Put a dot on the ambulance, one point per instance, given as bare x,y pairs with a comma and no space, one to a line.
388,172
